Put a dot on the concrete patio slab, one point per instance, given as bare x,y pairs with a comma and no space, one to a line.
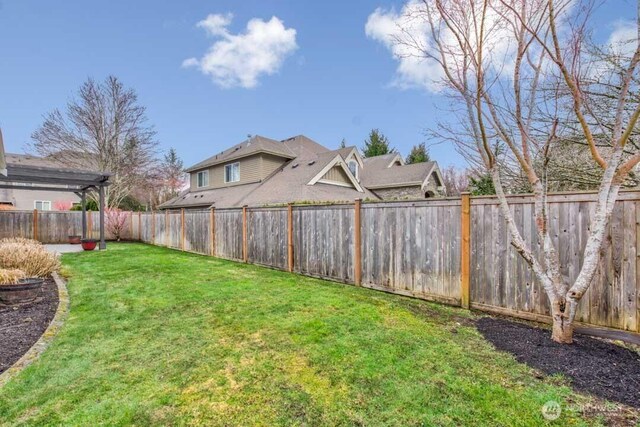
63,249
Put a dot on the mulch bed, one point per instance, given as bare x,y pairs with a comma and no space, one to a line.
22,325
594,366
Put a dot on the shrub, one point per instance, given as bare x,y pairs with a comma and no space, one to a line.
11,276
34,260
20,240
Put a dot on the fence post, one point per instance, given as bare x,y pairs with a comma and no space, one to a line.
153,227
35,224
245,255
89,224
139,226
182,229
131,225
212,226
167,235
290,236
357,257
465,258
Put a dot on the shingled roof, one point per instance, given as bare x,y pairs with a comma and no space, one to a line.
255,144
396,176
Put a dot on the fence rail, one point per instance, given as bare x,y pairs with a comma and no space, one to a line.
456,251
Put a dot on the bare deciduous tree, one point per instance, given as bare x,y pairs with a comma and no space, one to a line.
455,180
104,128
523,74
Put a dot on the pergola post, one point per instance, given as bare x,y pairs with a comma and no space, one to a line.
103,244
83,201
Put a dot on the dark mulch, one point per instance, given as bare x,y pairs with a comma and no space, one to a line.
597,367
21,326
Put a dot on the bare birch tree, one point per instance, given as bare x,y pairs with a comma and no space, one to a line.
105,129
522,73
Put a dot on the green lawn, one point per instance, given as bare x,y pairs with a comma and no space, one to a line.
158,337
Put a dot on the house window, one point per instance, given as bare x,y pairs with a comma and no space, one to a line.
42,205
203,179
353,167
232,172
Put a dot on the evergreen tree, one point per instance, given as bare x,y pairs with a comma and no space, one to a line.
173,173
343,143
482,185
376,145
418,154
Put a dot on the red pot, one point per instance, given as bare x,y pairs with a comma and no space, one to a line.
89,245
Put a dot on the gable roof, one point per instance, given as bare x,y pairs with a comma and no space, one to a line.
255,144
396,176
292,182
383,161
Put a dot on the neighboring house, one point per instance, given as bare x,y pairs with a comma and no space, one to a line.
43,200
391,179
262,171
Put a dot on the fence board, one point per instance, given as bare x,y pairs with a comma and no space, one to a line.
197,229
267,237
323,241
229,233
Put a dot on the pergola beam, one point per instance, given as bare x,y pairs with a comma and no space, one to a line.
43,188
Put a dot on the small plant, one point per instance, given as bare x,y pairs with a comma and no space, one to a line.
11,276
116,221
34,260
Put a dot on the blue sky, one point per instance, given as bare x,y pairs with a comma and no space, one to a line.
336,84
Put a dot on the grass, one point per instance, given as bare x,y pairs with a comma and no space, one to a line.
158,337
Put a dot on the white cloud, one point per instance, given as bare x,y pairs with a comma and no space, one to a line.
410,26
624,38
413,69
238,60
216,24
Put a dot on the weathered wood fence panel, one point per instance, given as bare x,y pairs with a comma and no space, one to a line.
501,279
267,236
228,234
197,231
323,241
16,224
413,248
54,227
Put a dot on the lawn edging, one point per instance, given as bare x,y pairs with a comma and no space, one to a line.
47,336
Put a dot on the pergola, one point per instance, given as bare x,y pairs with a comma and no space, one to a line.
80,182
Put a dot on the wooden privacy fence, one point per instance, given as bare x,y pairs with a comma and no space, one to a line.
455,251
57,226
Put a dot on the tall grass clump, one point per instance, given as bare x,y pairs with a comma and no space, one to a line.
31,258
11,276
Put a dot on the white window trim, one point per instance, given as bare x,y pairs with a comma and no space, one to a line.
225,172
44,203
206,181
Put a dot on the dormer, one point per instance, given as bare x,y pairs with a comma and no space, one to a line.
354,161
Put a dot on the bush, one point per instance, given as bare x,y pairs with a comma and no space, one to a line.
11,276
34,260
20,240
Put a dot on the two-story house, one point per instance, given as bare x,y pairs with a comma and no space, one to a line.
262,171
